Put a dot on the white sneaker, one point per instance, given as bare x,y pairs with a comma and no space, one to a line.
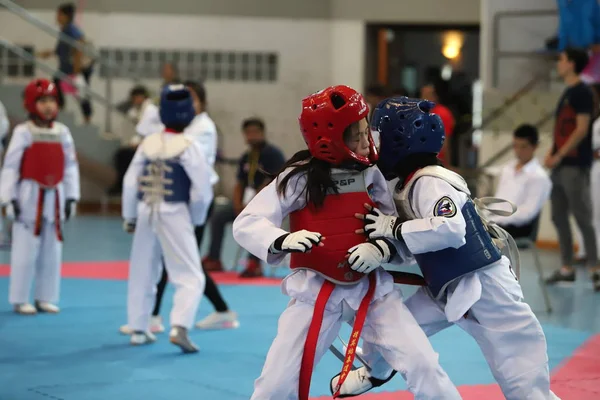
44,306
140,338
156,325
125,330
25,309
219,320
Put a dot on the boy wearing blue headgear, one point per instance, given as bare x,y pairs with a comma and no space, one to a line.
166,192
470,282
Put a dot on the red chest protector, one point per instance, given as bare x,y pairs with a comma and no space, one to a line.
44,160
337,223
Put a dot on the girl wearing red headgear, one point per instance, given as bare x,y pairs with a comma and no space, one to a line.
336,272
39,188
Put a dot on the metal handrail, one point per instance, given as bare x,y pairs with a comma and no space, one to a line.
27,16
500,110
61,75
496,37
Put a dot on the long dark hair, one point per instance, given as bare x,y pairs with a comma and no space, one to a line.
318,177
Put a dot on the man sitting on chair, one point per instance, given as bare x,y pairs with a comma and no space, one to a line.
524,182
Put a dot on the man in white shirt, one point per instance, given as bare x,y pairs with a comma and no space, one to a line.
524,182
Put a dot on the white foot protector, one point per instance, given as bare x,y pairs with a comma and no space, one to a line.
141,338
25,309
357,382
44,306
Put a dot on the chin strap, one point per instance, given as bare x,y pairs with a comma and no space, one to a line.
354,165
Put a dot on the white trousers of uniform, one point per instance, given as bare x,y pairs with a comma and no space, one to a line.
389,328
34,259
506,329
169,235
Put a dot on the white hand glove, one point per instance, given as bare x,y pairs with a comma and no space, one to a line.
366,257
12,210
129,226
301,241
378,224
70,209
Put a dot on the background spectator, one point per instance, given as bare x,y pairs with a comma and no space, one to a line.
71,61
437,92
169,73
399,92
260,156
570,159
375,94
139,99
524,182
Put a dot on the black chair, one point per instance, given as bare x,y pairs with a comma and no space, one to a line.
529,242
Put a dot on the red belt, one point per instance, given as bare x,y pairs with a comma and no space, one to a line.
40,214
310,345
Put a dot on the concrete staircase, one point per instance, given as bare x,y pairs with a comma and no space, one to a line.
528,109
95,154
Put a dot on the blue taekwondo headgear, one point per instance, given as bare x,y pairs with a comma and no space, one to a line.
405,127
176,106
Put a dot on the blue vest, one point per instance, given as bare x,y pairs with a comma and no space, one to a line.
441,267
167,180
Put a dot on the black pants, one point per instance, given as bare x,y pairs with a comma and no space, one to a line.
223,214
211,290
84,102
122,159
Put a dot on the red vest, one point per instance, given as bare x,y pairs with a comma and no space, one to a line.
335,220
44,160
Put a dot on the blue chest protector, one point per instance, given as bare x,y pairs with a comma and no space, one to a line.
164,180
441,267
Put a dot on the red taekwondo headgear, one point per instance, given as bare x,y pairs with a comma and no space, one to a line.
35,90
324,118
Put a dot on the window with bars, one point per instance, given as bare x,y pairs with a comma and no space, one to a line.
207,65
14,66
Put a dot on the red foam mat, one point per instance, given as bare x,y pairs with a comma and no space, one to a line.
577,378
118,270
476,392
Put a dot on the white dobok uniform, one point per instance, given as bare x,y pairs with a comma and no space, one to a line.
389,327
40,173
167,192
204,131
487,303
